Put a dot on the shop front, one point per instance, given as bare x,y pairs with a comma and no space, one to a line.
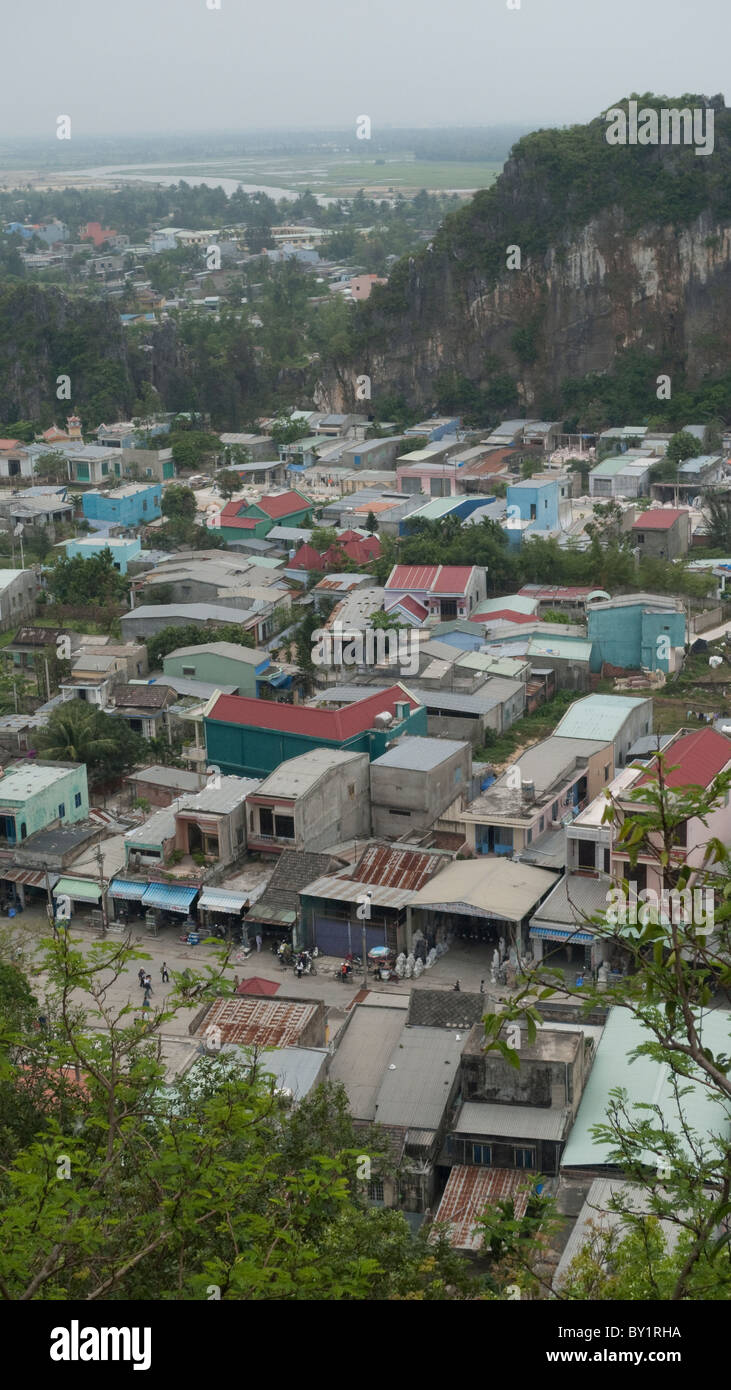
126,895
82,894
221,911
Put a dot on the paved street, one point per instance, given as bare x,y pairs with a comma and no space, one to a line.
467,963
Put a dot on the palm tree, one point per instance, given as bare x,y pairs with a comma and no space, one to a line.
73,736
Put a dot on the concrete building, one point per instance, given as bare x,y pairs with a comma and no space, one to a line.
253,737
18,593
663,533
143,622
538,503
620,718
122,550
437,591
416,782
311,802
542,790
220,663
637,632
94,677
162,785
627,475
36,795
133,504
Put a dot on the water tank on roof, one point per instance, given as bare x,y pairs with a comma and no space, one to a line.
529,790
383,720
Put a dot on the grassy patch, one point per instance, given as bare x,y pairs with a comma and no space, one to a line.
531,729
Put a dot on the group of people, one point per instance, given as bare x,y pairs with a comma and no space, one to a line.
145,980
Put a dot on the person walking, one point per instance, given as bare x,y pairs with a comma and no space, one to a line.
164,972
141,975
258,941
148,983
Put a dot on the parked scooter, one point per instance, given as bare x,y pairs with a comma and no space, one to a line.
304,965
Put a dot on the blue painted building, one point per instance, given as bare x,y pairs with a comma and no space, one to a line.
134,504
122,550
535,504
637,631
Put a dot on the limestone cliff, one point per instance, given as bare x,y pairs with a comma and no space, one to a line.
620,248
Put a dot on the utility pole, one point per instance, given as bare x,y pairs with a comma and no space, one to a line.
100,862
51,914
363,913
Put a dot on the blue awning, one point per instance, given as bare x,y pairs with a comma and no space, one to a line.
127,888
172,896
583,938
282,679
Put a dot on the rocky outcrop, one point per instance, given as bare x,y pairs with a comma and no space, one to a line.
598,274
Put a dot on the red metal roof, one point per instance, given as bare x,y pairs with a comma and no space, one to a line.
412,605
436,579
420,577
658,519
469,1190
507,614
544,591
307,558
257,985
323,724
694,759
282,505
397,868
9,443
453,579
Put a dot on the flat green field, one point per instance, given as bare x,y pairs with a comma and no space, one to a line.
328,174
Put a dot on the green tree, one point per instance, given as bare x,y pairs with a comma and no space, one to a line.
216,1178
79,734
178,503
76,580
52,467
228,482
371,524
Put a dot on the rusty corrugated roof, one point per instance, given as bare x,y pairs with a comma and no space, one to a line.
469,1190
397,868
257,1022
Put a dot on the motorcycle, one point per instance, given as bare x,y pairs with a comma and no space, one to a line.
307,964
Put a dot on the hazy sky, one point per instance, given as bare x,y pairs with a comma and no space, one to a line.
175,65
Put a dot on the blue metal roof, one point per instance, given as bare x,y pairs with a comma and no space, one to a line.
584,938
127,888
174,897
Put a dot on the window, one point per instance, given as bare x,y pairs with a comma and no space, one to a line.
680,834
394,812
554,811
240,835
62,810
525,1158
529,837
284,827
606,773
540,825
458,774
144,504
189,670
482,1154
606,861
77,798
640,538
375,1190
266,821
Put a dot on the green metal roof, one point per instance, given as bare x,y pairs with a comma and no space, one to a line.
598,716
78,888
646,1082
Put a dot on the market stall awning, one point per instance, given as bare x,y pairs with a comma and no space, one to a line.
79,889
173,897
582,938
128,888
219,900
30,878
